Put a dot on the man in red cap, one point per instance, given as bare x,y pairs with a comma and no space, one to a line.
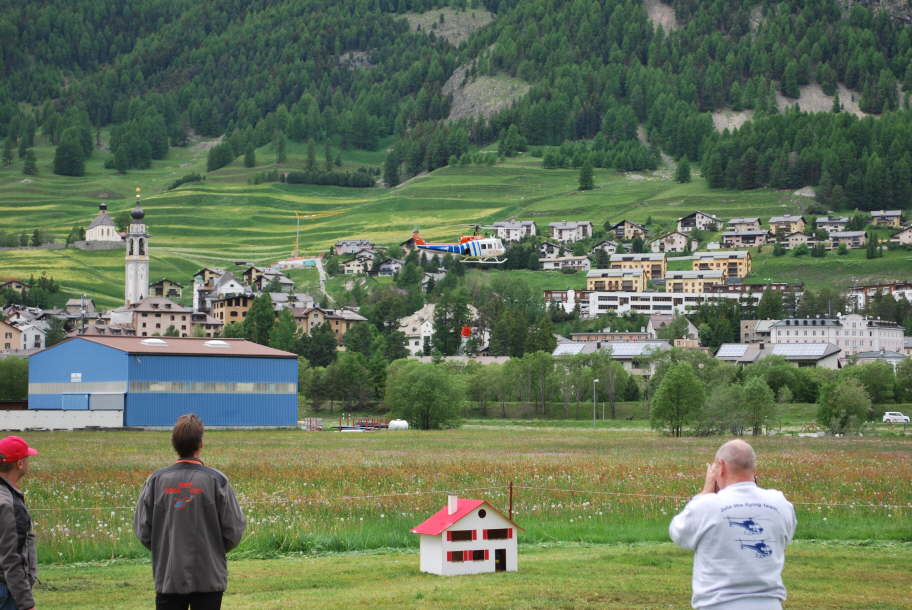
18,559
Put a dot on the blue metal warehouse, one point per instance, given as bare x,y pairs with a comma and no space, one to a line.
154,380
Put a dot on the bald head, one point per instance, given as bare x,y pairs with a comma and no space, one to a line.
738,456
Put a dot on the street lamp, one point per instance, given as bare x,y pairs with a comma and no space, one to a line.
594,381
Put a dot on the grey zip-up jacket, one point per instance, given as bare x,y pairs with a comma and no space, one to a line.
189,517
18,558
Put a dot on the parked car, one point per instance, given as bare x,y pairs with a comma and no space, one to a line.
895,417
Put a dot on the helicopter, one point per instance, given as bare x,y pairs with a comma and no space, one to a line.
749,525
759,547
473,248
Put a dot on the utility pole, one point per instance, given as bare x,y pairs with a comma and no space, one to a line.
594,381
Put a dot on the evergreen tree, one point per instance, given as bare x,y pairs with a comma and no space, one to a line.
250,156
279,145
586,180
284,331
311,155
259,320
30,166
391,169
682,173
8,152
68,158
327,157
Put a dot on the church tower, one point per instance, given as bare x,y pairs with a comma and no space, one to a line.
137,259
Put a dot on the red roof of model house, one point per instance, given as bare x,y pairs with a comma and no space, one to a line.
442,520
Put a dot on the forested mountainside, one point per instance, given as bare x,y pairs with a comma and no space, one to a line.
354,72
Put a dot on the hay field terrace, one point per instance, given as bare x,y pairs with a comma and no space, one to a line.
331,492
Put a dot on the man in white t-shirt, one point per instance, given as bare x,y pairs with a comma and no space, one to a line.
738,532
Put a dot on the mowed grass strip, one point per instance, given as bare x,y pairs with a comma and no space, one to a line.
817,575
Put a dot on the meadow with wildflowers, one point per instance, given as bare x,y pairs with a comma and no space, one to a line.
325,492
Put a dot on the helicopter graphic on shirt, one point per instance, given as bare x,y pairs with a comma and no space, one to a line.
749,525
759,547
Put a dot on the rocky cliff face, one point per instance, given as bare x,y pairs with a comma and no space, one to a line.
901,10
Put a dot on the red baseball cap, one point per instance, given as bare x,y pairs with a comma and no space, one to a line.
13,449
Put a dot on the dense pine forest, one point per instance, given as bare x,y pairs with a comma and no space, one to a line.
157,73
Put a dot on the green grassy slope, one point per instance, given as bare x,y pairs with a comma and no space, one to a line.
225,219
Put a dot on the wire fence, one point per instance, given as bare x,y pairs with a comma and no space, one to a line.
504,488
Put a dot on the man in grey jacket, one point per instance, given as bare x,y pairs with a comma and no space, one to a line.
189,517
18,559
738,532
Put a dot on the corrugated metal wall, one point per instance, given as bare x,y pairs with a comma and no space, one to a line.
214,409
225,409
53,374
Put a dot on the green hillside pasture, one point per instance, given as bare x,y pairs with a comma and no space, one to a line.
330,492
833,271
589,576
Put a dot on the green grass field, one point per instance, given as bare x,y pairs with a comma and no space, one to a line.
329,515
654,575
225,219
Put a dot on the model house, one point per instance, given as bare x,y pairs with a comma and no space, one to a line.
468,537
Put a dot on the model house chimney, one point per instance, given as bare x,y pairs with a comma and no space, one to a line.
452,504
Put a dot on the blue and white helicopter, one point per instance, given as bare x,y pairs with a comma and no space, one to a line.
473,248
749,525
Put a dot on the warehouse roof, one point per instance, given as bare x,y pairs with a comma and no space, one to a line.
187,346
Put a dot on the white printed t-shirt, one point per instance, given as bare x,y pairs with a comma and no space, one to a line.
739,537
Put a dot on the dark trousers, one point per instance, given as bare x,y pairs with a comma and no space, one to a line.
194,601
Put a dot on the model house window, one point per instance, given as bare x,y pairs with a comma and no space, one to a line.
498,534
461,535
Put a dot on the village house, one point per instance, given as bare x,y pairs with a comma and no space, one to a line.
787,224
744,239
550,250
670,242
166,288
418,329
653,264
352,246
12,285
597,336
887,218
832,223
607,246
570,231
628,280
205,325
859,295
821,355
851,239
10,337
560,263
390,267
634,356
515,230
232,308
756,331
793,240
658,321
903,237
692,281
33,335
356,266
340,321
699,220
273,279
734,263
594,303
153,316
627,230
467,537
103,227
751,223
75,307
286,300
852,333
